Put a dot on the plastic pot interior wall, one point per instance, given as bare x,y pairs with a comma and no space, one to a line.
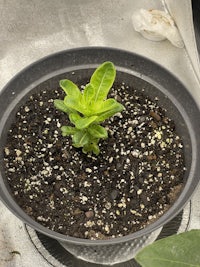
133,70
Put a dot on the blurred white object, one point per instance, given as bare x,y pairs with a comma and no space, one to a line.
157,25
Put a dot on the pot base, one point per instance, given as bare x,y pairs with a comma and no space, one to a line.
111,254
53,251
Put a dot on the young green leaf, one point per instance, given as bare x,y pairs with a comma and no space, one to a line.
175,251
80,138
105,115
74,104
68,130
102,80
59,104
83,123
93,147
87,109
70,88
109,104
74,117
88,94
98,131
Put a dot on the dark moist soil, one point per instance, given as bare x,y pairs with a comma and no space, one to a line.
135,179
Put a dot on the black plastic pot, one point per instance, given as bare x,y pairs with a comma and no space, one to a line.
132,69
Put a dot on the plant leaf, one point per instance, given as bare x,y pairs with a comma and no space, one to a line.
68,130
88,94
97,131
80,138
102,80
74,117
93,147
181,250
106,106
105,115
74,104
59,104
87,108
70,88
85,122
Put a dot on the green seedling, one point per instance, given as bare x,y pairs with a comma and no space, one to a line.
88,108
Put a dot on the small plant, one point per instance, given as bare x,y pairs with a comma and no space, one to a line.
88,108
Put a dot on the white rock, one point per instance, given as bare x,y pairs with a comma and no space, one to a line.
157,25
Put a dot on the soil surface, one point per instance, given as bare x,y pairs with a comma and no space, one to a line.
135,179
